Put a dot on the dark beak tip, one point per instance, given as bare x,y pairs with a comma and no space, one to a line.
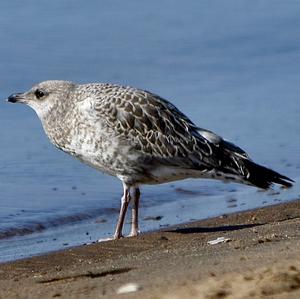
13,98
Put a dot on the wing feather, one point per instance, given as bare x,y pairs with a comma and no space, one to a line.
152,126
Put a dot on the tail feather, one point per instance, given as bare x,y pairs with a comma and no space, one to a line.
264,177
235,164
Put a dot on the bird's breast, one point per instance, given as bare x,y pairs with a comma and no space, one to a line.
90,143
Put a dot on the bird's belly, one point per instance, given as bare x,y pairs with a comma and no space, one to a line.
166,174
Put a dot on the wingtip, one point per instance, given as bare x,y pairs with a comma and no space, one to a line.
263,177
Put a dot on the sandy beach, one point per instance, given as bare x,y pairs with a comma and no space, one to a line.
258,259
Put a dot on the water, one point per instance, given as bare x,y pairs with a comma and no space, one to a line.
231,67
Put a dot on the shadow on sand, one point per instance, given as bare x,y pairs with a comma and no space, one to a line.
225,228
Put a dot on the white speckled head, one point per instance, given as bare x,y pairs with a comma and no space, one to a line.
44,96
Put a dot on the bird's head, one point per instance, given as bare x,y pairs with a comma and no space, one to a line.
45,96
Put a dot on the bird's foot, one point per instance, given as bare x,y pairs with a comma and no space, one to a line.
117,236
134,233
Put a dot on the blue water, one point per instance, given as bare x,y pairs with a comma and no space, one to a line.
232,67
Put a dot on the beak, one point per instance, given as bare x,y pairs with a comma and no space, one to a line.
16,98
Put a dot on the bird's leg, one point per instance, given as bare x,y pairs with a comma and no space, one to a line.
124,205
135,213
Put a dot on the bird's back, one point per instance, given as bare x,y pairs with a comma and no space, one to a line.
155,142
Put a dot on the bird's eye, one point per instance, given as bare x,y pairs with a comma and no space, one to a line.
39,93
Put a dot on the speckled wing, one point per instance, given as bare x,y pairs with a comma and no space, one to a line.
156,129
221,143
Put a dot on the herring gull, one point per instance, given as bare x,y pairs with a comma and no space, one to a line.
138,137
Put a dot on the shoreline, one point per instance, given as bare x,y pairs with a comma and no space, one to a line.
175,260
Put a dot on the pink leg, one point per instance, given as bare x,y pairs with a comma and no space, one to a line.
124,205
135,213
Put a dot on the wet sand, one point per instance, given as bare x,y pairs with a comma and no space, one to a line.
260,259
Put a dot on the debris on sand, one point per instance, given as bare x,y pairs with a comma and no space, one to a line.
219,240
128,288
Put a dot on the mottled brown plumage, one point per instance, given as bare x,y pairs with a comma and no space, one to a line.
138,137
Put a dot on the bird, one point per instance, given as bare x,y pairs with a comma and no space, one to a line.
138,137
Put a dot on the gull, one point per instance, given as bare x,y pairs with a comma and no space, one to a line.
138,137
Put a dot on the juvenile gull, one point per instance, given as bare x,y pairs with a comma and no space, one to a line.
138,137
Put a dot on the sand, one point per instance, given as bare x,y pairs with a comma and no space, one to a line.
260,259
